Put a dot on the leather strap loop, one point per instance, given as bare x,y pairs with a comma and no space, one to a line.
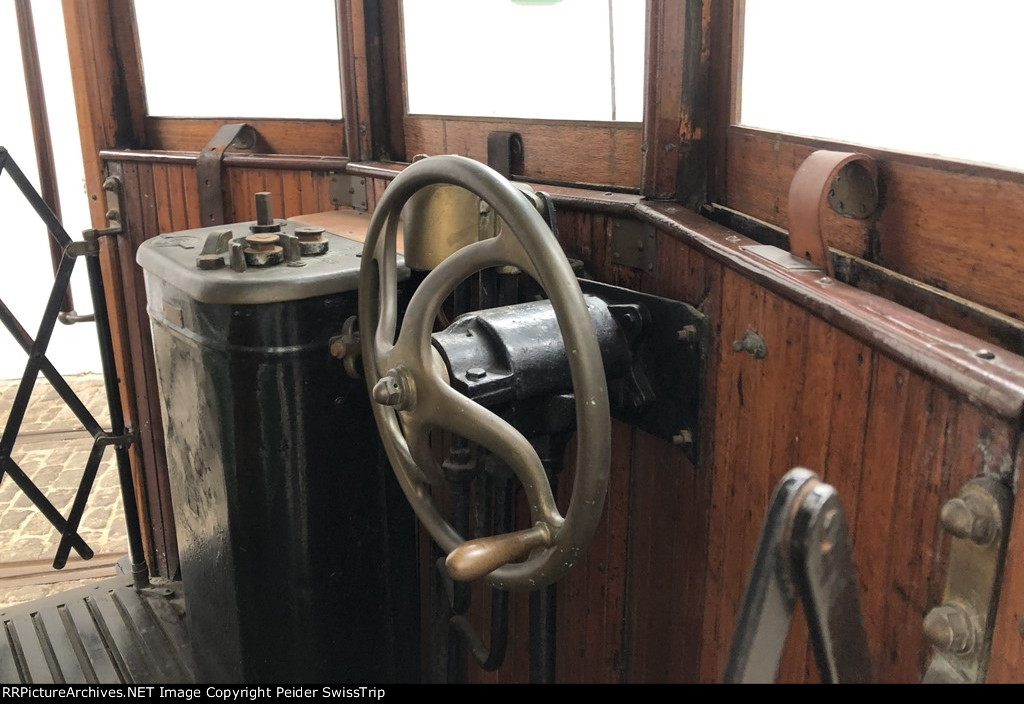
846,181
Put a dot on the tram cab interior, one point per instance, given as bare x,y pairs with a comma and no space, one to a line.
541,341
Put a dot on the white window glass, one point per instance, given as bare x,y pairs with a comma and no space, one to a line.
928,76
240,58
552,59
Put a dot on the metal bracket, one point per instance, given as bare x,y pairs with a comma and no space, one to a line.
671,363
505,152
634,244
347,190
234,137
960,629
804,552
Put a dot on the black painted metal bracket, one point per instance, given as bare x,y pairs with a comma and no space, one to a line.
672,359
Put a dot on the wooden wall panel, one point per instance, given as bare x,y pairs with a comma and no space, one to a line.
307,137
922,238
895,445
140,217
608,154
292,192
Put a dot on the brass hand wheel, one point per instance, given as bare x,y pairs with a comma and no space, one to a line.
412,394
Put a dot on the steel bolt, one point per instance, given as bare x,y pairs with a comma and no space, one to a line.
970,519
390,391
683,438
339,347
688,333
475,373
950,628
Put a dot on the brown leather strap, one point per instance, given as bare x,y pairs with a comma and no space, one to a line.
846,181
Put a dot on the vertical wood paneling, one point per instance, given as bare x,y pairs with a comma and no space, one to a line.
894,443
591,611
140,218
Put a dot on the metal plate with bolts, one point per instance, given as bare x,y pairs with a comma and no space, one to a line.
960,629
634,244
348,191
673,356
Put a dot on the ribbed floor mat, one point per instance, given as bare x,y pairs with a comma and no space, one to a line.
106,633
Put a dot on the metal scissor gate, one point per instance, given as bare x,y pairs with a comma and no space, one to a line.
36,348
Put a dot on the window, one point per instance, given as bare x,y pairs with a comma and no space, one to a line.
926,76
237,58
560,59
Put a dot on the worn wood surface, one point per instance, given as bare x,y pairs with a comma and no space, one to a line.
307,137
930,210
607,153
140,215
726,69
666,25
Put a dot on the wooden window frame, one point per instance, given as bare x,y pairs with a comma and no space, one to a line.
599,154
941,219
113,21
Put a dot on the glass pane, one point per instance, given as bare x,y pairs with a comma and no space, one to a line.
239,58
926,76
552,59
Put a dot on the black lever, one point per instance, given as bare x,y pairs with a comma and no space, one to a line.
804,552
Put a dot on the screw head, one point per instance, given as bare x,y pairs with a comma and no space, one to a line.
683,438
476,373
688,333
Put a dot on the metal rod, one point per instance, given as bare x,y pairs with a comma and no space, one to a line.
40,129
543,625
490,658
17,474
61,386
136,555
74,519
542,636
36,355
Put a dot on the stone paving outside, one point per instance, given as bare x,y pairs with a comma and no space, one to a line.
52,449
